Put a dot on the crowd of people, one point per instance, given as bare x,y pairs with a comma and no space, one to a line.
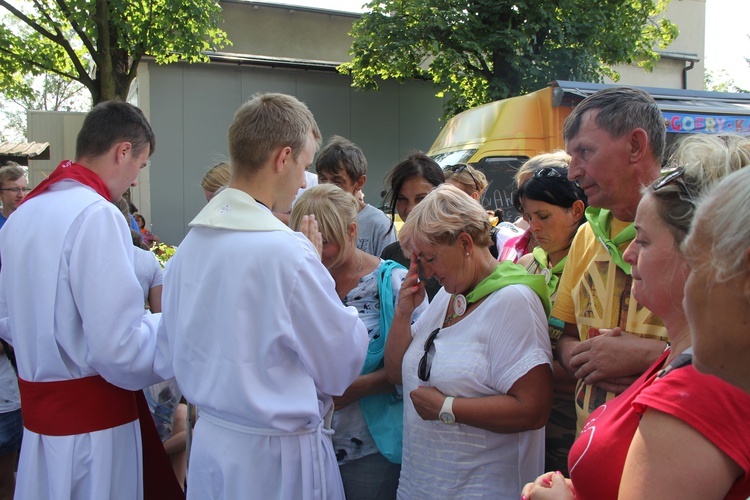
598,351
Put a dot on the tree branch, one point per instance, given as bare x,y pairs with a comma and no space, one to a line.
57,38
41,66
77,28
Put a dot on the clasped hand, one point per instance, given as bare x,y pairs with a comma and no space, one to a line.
427,402
611,360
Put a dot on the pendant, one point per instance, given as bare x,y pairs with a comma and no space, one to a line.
459,304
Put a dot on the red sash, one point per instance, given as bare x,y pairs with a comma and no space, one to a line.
90,404
70,170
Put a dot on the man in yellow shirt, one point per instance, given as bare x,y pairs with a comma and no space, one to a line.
616,139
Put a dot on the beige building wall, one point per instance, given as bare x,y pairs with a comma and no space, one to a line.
287,32
302,33
690,18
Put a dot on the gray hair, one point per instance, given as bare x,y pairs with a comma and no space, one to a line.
621,110
722,217
445,213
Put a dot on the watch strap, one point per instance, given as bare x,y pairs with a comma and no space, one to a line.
446,412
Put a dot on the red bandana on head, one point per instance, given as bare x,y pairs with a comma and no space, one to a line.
71,170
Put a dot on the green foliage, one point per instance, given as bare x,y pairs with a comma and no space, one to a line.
720,81
69,37
48,92
477,51
163,252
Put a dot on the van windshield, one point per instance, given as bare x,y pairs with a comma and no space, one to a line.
453,157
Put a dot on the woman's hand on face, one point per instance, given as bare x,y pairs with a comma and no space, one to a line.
551,485
309,227
412,291
427,402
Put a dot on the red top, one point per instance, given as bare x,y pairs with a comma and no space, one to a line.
597,458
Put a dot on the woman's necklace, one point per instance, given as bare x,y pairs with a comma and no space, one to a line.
345,290
459,301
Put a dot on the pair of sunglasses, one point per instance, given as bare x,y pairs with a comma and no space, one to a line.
423,370
547,172
460,167
674,177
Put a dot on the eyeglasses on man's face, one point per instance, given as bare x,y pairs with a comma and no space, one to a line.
460,167
17,190
425,365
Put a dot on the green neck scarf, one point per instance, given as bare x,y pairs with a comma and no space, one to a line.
552,275
599,220
506,273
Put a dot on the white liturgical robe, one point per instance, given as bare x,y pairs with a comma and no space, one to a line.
71,306
261,343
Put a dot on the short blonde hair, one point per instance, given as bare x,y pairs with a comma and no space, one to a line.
445,213
216,177
267,122
556,159
464,177
333,208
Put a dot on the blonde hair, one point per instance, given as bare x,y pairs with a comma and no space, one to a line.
556,159
445,213
333,208
706,159
722,218
267,122
464,177
216,177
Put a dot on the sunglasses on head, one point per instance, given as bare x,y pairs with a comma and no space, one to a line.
423,370
460,167
674,177
547,172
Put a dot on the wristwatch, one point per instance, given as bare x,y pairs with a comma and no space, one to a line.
446,412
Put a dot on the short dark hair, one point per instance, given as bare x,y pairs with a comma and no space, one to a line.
111,122
621,110
342,154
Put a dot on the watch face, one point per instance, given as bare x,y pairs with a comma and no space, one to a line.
447,418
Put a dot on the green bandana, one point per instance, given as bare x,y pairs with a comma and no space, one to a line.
552,275
506,273
599,220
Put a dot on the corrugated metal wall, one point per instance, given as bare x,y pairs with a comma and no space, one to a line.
192,106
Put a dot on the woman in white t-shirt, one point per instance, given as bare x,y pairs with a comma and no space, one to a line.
475,367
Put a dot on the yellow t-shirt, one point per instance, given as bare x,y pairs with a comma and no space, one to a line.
595,293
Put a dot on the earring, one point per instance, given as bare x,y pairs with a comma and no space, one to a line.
467,254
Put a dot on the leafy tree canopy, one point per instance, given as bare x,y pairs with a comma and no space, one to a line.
48,92
478,51
99,43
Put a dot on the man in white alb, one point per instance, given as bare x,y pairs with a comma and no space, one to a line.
260,338
71,306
